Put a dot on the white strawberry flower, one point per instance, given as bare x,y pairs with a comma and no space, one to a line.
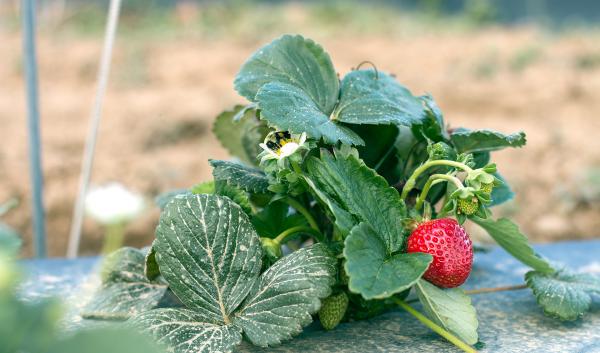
113,203
281,145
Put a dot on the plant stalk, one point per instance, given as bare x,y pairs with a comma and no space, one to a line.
410,183
435,327
496,289
282,237
298,207
434,179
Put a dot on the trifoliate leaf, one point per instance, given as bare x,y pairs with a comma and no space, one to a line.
485,140
289,108
501,193
125,289
184,331
291,60
209,254
239,175
374,271
238,135
369,97
451,309
508,236
363,193
563,295
286,295
10,242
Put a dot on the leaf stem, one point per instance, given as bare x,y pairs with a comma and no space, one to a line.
298,207
282,237
434,179
435,327
410,183
496,289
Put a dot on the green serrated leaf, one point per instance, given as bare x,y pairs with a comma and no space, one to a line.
451,309
291,60
286,295
508,236
467,141
238,129
563,295
342,219
369,97
289,108
363,193
206,187
244,177
184,331
209,254
125,289
374,272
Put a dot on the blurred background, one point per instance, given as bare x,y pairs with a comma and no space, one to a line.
530,65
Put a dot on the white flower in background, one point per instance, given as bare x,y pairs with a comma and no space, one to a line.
113,203
281,144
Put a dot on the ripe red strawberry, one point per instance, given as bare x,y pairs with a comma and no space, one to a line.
451,248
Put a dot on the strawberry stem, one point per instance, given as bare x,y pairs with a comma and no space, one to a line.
298,207
496,289
282,237
411,182
435,327
434,179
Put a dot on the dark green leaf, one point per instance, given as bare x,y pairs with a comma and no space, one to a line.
563,295
380,152
151,269
374,98
286,295
376,273
239,175
508,236
451,309
184,331
275,218
125,290
343,220
289,108
363,193
209,254
295,61
485,140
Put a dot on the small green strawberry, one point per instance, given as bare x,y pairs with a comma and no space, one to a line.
468,206
333,310
486,188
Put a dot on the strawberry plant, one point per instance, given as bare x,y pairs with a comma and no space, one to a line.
344,197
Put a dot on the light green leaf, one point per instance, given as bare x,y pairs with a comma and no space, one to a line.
287,107
295,61
485,140
125,289
451,309
236,135
286,295
508,236
563,295
209,254
206,187
374,272
184,331
369,97
363,193
239,175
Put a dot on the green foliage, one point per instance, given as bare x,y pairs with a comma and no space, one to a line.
485,140
126,289
217,277
563,294
240,132
241,176
508,236
451,309
275,218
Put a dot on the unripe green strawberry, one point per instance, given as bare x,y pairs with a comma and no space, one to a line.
468,206
487,188
333,310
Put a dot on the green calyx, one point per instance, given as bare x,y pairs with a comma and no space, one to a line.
272,248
